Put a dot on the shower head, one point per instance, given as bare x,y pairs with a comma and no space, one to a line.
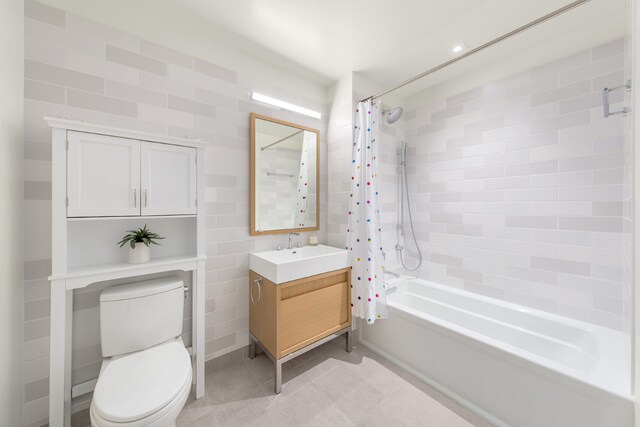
393,115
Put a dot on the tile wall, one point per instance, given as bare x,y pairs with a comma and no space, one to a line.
339,145
518,187
79,69
628,198
279,169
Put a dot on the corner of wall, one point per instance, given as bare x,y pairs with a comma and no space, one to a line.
339,136
11,191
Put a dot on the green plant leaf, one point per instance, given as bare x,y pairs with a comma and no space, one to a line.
141,235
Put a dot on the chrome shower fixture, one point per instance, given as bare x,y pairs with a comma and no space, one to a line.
392,115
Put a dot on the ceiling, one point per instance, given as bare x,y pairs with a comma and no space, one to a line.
386,41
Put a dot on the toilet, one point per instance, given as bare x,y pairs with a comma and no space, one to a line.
146,374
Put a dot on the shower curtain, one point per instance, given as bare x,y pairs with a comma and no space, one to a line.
368,299
308,141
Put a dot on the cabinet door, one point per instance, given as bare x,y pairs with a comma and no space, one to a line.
168,179
103,175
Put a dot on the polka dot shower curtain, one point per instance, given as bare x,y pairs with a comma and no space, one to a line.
368,299
308,143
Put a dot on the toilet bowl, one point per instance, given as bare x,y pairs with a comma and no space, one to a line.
146,388
146,374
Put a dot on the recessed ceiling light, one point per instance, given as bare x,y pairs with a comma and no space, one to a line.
286,105
459,47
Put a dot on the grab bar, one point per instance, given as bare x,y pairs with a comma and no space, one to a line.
605,100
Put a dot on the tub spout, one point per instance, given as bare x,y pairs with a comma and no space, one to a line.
393,273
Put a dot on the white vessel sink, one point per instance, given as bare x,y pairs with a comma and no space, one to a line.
291,264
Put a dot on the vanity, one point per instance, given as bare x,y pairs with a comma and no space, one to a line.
300,296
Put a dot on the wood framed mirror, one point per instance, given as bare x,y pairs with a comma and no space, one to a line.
284,177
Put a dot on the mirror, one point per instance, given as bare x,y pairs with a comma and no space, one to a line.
285,176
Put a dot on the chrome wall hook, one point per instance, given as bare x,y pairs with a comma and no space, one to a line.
605,101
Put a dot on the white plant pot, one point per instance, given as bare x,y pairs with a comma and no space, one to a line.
140,254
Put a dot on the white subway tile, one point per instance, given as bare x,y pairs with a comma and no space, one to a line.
607,176
603,161
596,193
555,67
564,150
561,208
155,114
561,265
90,65
95,30
530,87
563,92
531,221
60,38
593,69
566,121
562,179
604,224
38,51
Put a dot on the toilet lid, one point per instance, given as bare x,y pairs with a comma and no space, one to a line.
139,384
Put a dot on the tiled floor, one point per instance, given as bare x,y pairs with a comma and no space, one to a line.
325,387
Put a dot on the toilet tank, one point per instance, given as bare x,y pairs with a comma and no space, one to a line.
140,315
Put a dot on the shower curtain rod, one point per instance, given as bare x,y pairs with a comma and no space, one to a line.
503,37
280,140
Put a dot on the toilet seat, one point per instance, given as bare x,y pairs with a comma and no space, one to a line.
148,387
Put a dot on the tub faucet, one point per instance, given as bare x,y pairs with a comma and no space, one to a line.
290,235
393,273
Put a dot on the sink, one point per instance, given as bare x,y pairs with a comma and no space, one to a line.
291,264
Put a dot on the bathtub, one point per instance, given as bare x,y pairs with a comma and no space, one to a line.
513,365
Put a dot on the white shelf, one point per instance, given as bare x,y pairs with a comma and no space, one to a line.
80,277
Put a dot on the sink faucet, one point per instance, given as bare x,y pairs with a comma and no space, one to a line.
292,234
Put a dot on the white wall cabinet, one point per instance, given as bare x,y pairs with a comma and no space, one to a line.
168,179
103,175
111,176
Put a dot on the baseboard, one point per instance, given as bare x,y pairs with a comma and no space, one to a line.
224,351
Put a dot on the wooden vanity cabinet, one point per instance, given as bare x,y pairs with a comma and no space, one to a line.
287,317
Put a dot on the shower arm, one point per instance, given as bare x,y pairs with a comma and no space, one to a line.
490,43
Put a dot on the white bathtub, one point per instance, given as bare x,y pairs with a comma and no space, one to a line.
514,365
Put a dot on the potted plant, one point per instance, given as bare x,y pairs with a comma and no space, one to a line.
139,240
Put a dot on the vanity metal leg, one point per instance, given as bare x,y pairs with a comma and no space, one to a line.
278,377
347,337
252,348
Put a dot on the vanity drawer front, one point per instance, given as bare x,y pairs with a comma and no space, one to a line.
307,317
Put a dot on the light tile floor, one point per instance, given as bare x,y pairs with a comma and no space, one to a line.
324,387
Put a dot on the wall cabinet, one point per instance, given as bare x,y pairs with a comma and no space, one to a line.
103,175
112,176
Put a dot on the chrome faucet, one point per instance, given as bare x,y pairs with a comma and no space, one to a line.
392,273
292,234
